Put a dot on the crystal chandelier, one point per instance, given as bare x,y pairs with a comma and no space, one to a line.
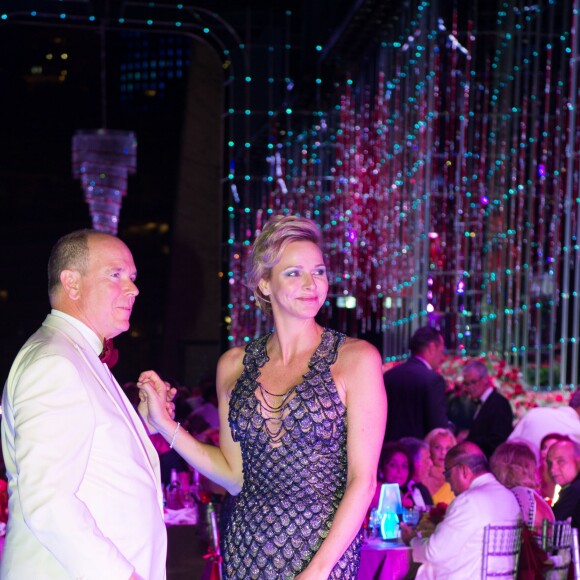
103,160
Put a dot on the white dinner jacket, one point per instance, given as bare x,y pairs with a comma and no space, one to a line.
454,551
85,498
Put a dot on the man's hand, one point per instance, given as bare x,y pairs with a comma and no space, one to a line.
155,400
425,526
169,404
407,533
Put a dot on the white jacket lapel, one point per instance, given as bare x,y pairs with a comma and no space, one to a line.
109,384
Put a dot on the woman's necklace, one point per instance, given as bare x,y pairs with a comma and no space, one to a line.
273,409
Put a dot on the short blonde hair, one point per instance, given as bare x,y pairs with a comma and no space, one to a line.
276,234
514,463
440,432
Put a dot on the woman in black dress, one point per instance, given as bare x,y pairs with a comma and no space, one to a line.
303,480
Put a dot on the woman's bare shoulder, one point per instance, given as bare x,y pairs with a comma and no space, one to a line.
232,356
230,367
358,365
356,348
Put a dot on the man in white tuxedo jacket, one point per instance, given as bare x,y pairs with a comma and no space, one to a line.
455,548
85,498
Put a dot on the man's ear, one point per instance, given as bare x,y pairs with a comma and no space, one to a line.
465,470
71,283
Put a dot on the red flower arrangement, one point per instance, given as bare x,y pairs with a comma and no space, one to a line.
437,512
205,497
431,518
507,379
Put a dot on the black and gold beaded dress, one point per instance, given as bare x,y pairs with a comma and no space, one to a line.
294,459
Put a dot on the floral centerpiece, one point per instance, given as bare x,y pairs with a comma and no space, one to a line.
436,513
430,518
507,379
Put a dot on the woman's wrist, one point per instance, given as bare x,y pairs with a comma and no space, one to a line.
174,436
168,430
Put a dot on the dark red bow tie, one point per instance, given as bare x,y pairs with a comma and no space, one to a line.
110,354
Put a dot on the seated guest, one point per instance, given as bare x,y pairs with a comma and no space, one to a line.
493,419
514,465
454,549
202,401
440,441
395,466
423,464
564,466
548,489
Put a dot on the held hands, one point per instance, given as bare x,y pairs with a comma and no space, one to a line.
155,400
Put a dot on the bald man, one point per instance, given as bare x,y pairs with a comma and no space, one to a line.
564,468
454,550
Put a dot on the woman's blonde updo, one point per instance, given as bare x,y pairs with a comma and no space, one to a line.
276,234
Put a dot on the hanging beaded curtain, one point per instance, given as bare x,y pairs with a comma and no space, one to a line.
444,178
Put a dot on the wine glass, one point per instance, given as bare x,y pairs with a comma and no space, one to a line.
411,516
375,523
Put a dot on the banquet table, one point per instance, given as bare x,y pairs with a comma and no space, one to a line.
386,560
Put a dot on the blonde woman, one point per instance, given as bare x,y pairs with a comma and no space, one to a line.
303,481
440,441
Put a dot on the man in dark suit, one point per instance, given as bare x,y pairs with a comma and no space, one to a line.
564,465
415,390
493,419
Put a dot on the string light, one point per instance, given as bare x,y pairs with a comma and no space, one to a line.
444,132
443,137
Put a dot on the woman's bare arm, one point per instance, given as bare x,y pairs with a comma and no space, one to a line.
359,373
221,464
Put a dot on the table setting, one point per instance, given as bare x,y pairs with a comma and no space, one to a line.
384,555
192,530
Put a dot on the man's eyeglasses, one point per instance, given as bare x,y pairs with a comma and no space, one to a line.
472,382
447,472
